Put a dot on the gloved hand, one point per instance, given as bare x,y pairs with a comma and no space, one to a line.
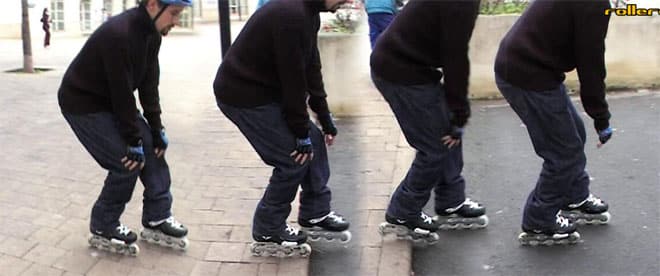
303,151
453,138
604,136
160,141
329,130
134,156
328,124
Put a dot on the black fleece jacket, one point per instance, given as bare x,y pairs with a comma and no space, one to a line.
118,58
554,37
275,58
428,35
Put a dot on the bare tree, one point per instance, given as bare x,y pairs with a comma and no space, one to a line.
28,65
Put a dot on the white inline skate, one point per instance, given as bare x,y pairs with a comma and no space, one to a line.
562,233
119,240
592,210
420,230
468,215
167,232
291,242
329,228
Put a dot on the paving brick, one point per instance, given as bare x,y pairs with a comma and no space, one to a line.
293,267
41,270
16,247
44,254
47,236
225,252
267,270
12,266
209,232
108,268
203,268
77,262
238,269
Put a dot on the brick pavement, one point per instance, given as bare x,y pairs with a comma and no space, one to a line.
49,182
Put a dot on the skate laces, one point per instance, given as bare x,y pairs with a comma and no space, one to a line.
562,221
292,230
427,219
595,200
336,218
173,222
470,203
123,230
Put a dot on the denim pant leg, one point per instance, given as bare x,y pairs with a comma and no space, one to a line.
266,130
423,117
558,137
99,134
155,176
315,195
378,22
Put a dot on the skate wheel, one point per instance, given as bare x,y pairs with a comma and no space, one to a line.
382,228
314,237
345,237
133,250
305,250
182,244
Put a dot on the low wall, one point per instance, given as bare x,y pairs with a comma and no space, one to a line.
632,57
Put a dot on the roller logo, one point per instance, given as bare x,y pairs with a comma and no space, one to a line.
632,8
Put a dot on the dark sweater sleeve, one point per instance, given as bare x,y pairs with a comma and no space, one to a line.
590,31
317,98
149,94
457,31
290,64
118,70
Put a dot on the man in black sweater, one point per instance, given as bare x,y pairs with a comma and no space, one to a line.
550,38
420,65
96,99
263,86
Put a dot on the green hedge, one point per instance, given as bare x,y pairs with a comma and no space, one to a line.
493,7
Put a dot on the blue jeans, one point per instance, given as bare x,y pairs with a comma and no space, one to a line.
266,130
99,134
422,113
378,22
558,136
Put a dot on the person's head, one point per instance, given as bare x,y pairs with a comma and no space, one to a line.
45,11
165,13
333,5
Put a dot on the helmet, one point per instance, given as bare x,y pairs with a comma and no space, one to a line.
186,3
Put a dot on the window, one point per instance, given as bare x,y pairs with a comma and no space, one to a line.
57,14
187,18
85,16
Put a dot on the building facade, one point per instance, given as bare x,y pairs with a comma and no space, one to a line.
72,17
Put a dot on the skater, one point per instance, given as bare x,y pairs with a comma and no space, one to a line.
380,14
45,25
432,109
550,38
96,99
264,85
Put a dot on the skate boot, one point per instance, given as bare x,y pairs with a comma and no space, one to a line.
291,242
468,215
120,240
421,229
563,233
592,210
330,227
167,232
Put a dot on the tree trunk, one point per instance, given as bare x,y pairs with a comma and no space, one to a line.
28,65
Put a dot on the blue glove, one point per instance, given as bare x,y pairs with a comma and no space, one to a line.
457,132
135,153
304,145
160,139
605,135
